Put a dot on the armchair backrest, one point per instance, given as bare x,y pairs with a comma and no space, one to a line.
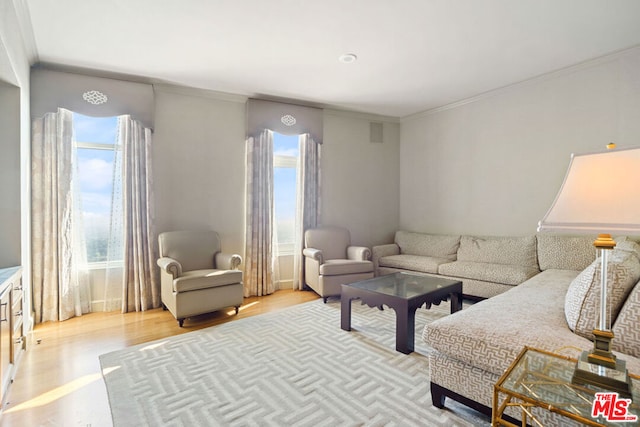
332,241
194,250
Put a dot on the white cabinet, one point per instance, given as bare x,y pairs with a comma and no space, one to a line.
12,342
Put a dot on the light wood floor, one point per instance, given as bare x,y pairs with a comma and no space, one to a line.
59,383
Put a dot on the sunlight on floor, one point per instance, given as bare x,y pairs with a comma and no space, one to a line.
153,346
243,307
59,392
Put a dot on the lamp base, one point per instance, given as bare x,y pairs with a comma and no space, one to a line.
615,379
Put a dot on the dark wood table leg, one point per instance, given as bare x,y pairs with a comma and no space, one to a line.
405,328
345,311
456,302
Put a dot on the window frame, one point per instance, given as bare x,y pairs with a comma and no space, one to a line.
98,265
285,162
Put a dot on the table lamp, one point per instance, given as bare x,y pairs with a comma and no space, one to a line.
600,194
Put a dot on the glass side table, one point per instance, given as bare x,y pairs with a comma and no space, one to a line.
538,378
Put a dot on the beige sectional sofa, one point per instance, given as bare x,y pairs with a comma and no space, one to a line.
551,310
486,265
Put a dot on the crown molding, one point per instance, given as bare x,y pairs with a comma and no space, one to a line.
203,93
534,80
332,111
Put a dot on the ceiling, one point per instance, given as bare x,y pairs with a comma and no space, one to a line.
413,55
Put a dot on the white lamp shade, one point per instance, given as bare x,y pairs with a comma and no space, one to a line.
600,194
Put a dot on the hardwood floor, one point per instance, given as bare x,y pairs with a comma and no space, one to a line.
59,383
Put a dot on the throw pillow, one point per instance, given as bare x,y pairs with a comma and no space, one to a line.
625,329
582,300
628,246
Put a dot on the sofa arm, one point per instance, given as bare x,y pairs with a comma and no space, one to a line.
227,261
380,251
358,253
170,266
313,254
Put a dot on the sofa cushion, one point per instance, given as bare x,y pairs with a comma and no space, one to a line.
582,300
425,264
499,250
565,252
338,267
203,279
487,272
489,335
434,245
627,326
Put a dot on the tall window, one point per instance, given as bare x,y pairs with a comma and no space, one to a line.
95,143
285,157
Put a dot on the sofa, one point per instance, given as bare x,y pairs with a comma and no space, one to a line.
486,265
554,310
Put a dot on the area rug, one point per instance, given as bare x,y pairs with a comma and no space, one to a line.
293,367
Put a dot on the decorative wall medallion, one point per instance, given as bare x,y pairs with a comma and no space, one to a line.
288,120
95,97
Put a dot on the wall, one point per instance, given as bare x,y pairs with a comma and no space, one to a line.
198,160
15,142
198,155
360,179
10,175
493,165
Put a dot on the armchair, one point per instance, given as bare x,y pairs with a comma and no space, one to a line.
331,261
195,277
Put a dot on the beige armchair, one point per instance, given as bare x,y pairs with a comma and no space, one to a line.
331,261
195,277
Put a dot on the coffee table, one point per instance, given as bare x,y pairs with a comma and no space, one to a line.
405,293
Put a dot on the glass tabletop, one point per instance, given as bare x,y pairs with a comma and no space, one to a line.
404,285
546,378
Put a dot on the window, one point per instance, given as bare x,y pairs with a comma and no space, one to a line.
95,144
285,158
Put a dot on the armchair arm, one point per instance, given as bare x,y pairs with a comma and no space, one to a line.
227,261
358,253
313,254
171,266
380,251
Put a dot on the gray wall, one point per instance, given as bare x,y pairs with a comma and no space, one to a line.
15,142
198,160
198,154
10,175
493,165
360,179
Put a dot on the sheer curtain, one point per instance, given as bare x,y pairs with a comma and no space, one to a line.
307,201
258,266
59,275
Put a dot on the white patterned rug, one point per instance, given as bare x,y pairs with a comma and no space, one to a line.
293,367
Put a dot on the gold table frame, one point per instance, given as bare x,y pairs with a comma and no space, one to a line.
524,385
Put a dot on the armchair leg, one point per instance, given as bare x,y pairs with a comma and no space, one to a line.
325,299
181,322
237,309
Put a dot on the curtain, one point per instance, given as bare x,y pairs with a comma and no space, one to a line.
307,201
258,273
140,285
59,276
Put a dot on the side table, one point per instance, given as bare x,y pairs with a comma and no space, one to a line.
541,379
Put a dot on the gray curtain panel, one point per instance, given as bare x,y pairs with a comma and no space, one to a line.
141,288
307,201
258,273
